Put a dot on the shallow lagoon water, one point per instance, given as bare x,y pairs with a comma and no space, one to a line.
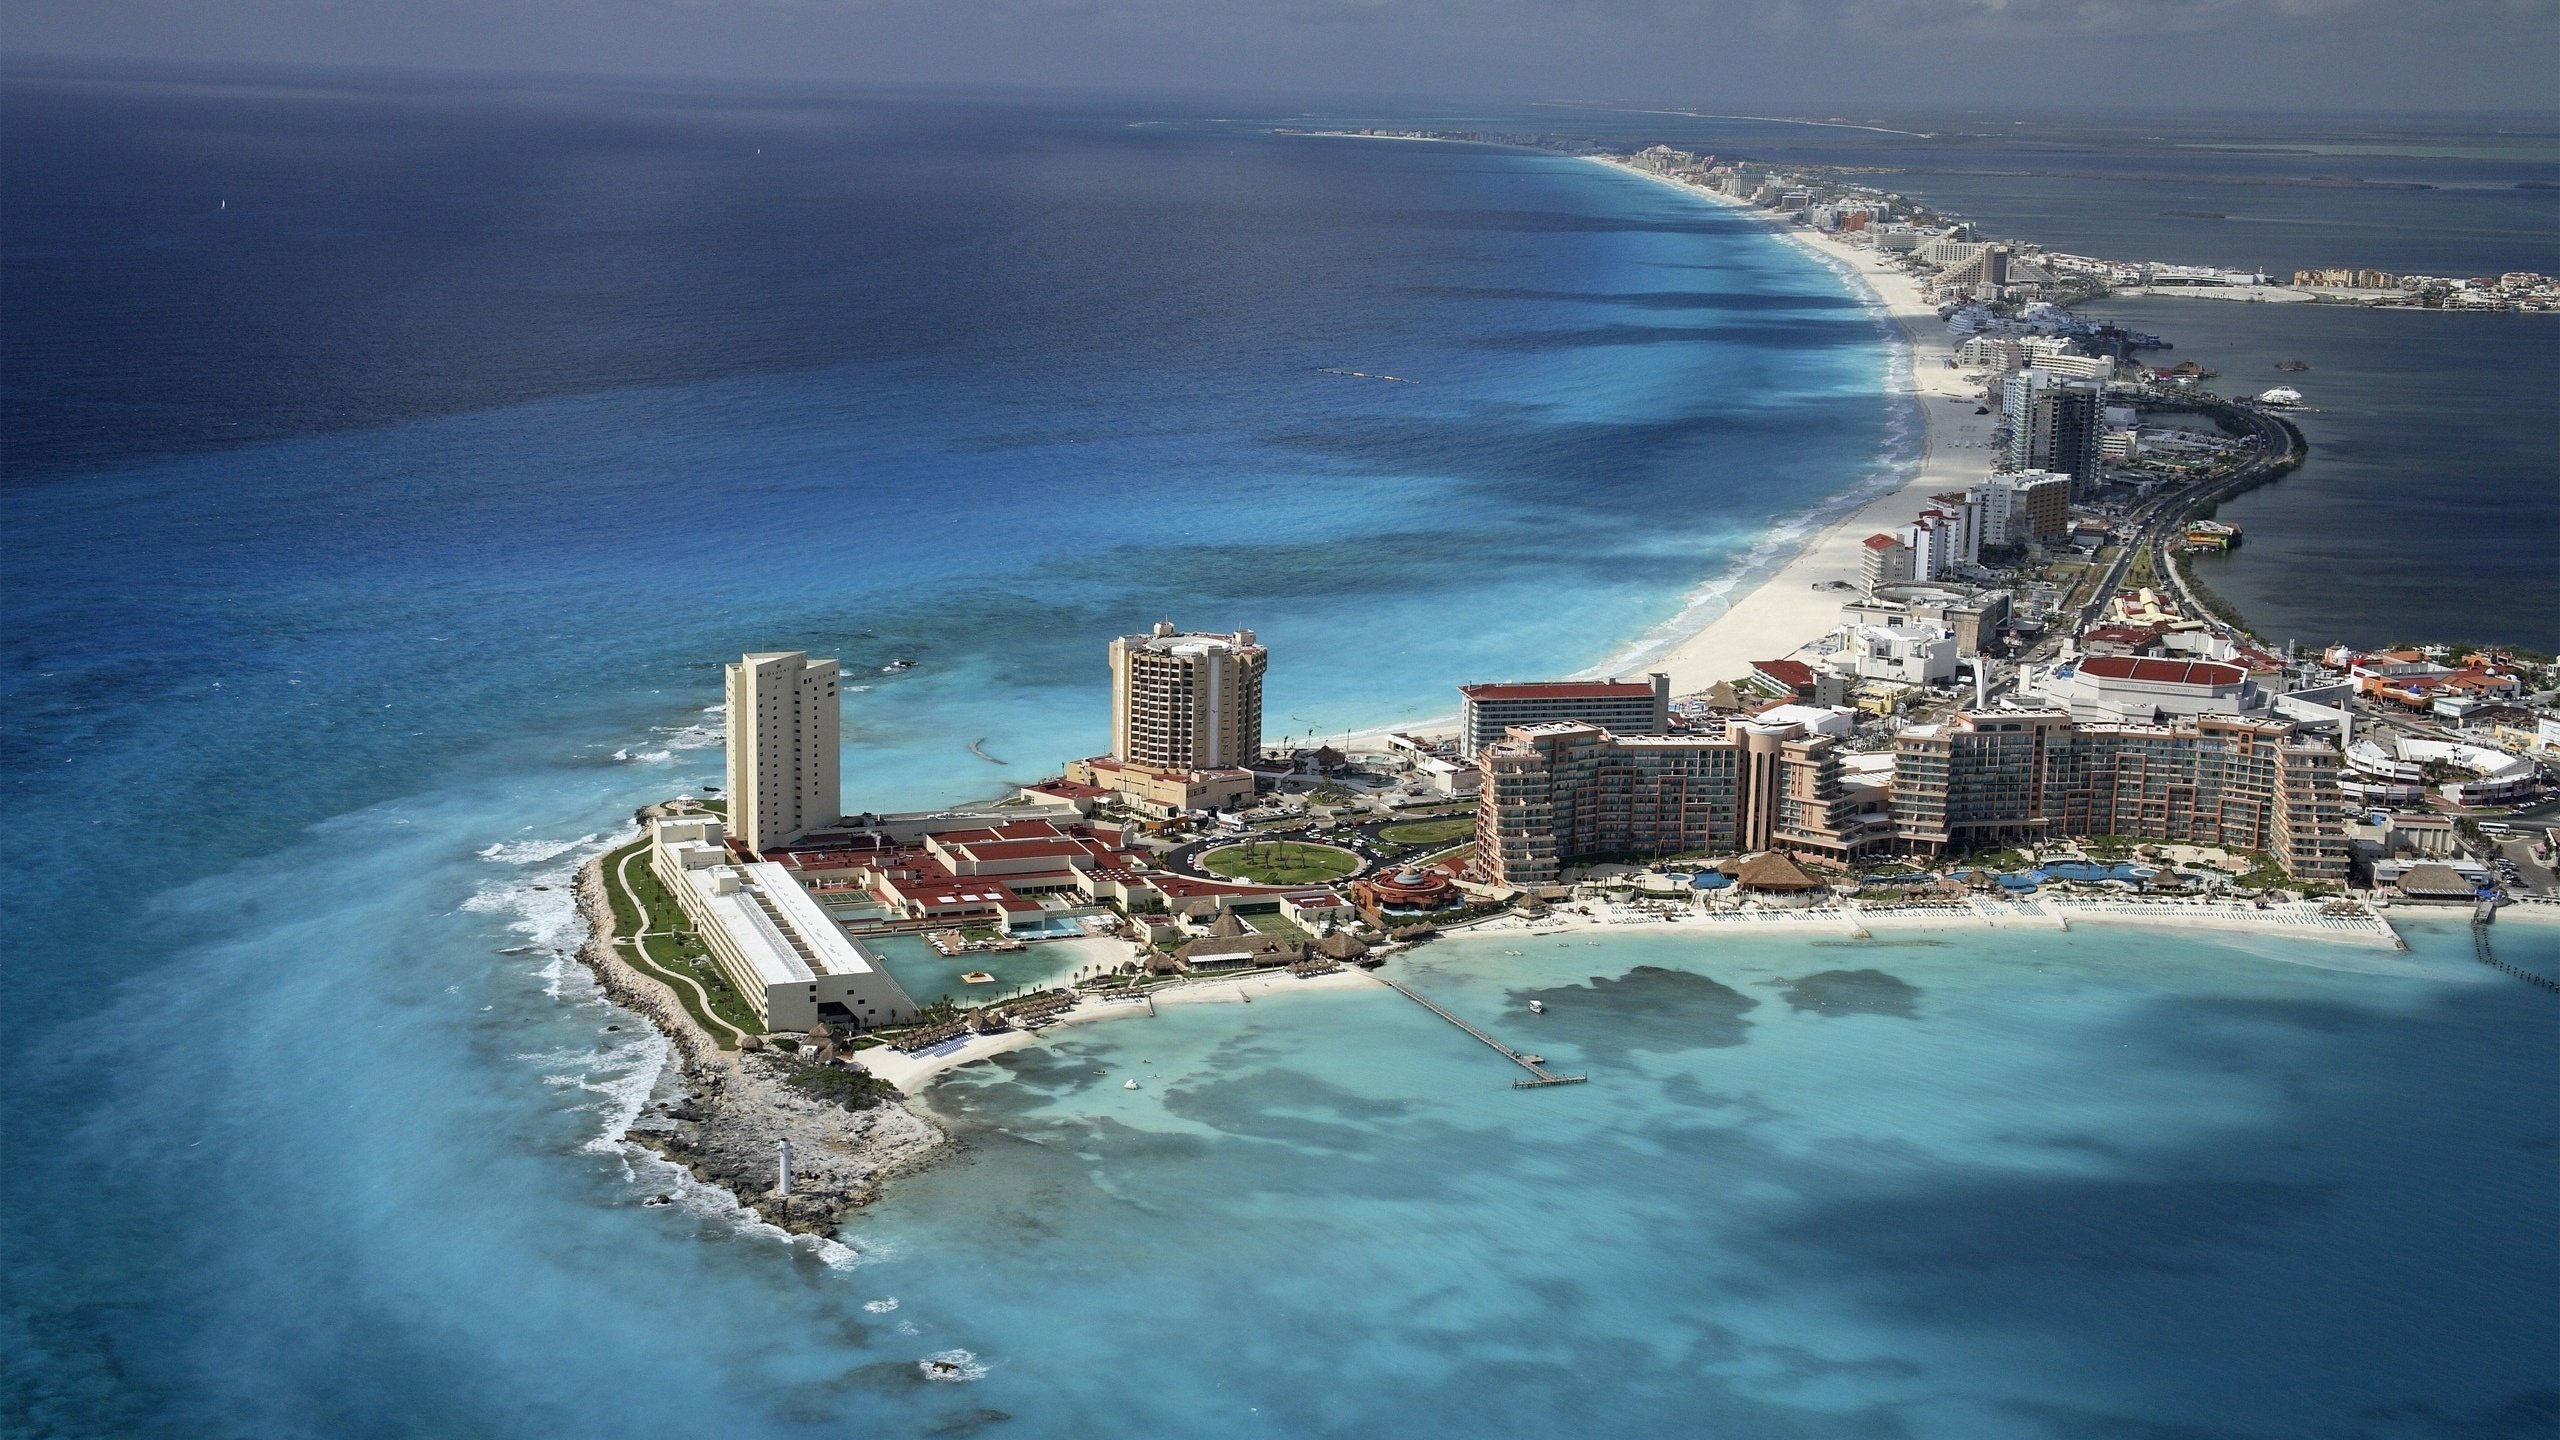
2107,1183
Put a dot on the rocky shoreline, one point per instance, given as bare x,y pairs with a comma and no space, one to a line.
727,1128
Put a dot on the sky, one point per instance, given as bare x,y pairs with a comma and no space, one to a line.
1795,54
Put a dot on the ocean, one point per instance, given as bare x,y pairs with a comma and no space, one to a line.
390,464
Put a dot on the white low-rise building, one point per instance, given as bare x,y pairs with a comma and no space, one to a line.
777,947
1904,654
2494,775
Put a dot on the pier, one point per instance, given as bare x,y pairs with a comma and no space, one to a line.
1536,1068
2482,915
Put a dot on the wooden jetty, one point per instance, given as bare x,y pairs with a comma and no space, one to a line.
1536,1068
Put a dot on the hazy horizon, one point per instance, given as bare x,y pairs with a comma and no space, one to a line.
1859,56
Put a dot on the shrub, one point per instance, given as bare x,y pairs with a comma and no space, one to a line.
850,1086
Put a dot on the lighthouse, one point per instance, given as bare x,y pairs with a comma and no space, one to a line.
782,1169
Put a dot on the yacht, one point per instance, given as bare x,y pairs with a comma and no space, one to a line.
2283,397
1537,1007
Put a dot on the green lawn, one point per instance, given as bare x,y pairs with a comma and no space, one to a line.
1280,862
665,952
1430,832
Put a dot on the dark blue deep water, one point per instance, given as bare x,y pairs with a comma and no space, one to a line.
388,466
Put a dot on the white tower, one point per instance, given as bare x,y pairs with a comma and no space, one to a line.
785,728
782,1169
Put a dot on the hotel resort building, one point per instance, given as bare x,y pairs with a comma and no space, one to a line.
1559,795
784,954
785,734
1186,720
2006,777
1567,793
1621,707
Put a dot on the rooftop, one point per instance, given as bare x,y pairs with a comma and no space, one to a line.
2162,672
1561,690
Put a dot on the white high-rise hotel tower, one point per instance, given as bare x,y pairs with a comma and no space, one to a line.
785,730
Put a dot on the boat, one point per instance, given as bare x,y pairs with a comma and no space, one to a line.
1537,1007
1128,1084
2283,397
897,667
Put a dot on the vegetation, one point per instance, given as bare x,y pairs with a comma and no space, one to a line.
1430,832
2141,576
2108,847
1280,862
850,1086
2264,873
1455,857
2221,609
668,947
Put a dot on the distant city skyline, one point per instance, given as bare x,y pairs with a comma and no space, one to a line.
2463,55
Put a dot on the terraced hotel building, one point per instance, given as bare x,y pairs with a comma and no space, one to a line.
2004,777
1559,795
1565,793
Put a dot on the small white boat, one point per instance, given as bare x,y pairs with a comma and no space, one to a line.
1537,1007
1128,1084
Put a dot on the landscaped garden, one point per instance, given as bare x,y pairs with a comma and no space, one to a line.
1280,862
1441,831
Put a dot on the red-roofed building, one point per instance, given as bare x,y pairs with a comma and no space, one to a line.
1624,707
2137,689
1792,676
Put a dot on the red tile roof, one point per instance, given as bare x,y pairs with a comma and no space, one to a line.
2161,672
1793,673
1880,542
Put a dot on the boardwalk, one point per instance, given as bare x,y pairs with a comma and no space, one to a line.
1536,1068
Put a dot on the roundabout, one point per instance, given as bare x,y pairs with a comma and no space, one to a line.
1278,862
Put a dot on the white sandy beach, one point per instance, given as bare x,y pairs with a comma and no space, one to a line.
1785,612
912,1073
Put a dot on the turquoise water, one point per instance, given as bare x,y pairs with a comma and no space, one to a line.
2104,1184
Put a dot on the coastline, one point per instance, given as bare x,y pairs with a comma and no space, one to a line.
737,1108
1780,613
1777,607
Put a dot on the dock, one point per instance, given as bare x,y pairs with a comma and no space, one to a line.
1537,1069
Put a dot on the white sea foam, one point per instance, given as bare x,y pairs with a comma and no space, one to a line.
644,757
533,852
693,737
953,1367
880,1307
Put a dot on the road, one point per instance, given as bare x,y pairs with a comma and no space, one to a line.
2167,512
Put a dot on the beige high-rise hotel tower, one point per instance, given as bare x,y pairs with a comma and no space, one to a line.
1186,701
785,729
